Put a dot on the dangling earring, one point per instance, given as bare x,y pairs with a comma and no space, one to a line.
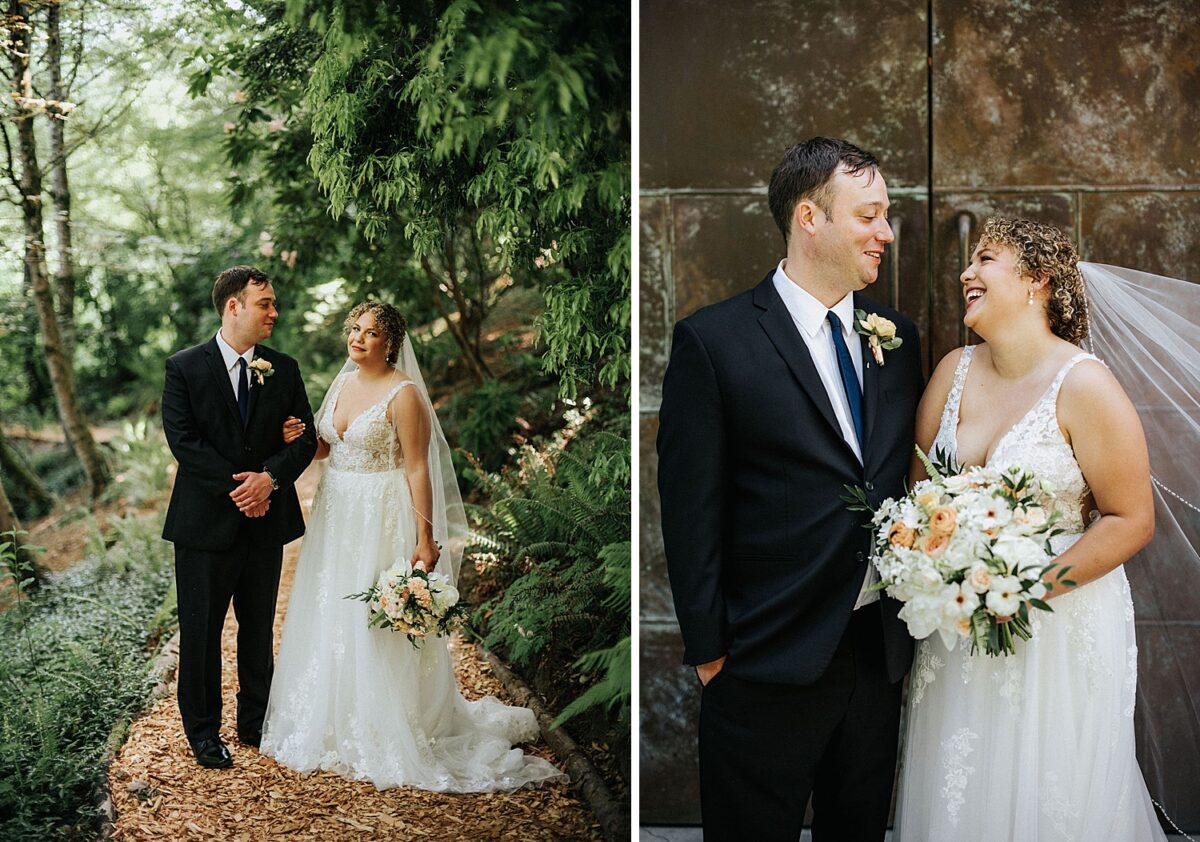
1030,300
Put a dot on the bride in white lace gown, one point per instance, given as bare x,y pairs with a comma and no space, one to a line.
1038,745
363,702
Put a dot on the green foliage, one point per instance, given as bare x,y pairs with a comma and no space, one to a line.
144,463
503,130
555,546
75,668
58,468
482,420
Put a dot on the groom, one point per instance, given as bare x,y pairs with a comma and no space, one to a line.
772,403
234,505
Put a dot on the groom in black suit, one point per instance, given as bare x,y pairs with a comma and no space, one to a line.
234,504
772,403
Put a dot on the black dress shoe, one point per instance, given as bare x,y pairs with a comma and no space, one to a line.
212,753
250,738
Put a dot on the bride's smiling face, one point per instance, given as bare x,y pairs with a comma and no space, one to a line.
992,286
366,343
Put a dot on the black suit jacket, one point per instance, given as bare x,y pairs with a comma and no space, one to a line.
204,430
766,562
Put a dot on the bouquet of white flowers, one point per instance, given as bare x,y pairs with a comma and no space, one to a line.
966,551
417,603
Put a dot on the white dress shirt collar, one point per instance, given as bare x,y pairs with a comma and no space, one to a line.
230,356
807,312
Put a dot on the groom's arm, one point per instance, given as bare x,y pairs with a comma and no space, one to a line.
287,464
195,455
691,484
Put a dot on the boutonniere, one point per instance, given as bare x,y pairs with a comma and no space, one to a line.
880,333
261,369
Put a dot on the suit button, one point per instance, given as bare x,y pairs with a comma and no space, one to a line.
858,556
245,449
870,486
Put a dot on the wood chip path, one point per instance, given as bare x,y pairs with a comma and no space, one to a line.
159,792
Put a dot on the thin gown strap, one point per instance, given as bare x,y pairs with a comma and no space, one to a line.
954,399
1052,392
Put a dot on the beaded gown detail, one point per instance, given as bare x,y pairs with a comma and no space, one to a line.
363,702
1038,745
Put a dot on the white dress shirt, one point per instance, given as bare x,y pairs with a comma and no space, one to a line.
230,357
809,316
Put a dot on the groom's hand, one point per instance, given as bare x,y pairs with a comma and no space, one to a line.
707,672
258,511
254,490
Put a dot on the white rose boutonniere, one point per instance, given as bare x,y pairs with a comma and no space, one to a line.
260,369
880,333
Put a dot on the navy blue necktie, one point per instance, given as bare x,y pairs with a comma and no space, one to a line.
849,377
243,394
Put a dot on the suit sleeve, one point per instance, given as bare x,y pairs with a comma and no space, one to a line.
196,456
289,463
691,456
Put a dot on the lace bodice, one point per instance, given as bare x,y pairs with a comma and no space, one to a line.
1035,442
369,445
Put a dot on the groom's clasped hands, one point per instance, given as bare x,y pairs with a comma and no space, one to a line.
253,496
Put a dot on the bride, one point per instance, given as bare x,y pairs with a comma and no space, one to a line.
1038,745
363,702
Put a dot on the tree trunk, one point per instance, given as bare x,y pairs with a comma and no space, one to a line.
57,361
60,190
21,475
37,381
465,335
26,561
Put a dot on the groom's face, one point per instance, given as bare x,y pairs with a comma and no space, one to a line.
851,237
254,314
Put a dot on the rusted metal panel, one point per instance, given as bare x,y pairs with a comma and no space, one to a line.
655,588
1065,92
656,307
1154,232
670,715
727,87
723,245
903,281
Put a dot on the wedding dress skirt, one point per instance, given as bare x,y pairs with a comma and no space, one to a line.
1038,745
363,702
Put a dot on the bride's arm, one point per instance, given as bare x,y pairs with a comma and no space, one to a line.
1103,428
410,419
293,428
929,412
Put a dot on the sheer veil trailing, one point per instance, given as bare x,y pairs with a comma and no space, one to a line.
449,517
1145,328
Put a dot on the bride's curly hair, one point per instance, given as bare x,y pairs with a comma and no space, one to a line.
1045,251
387,319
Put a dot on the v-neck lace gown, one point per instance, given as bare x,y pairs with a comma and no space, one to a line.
363,702
1038,745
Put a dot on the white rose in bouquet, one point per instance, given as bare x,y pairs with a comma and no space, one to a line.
1019,553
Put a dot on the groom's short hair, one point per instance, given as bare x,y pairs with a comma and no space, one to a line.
232,283
806,172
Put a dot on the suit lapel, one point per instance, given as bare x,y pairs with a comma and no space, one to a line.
216,365
782,332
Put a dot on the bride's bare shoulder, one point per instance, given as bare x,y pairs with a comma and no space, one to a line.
1089,380
1091,399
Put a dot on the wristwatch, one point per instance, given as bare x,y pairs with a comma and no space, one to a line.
274,482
